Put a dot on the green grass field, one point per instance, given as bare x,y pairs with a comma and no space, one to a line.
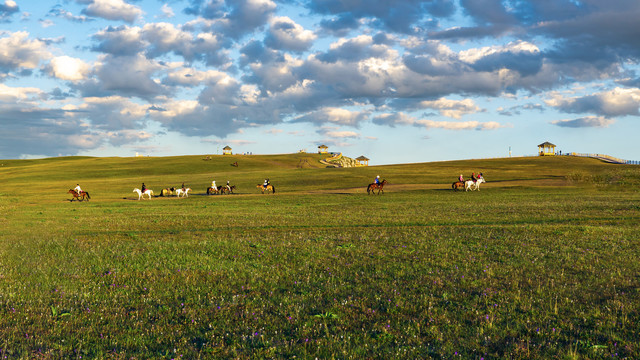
542,262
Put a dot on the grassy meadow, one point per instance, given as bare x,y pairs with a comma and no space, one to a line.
541,263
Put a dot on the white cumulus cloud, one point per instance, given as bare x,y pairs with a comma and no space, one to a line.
451,108
113,10
18,51
285,34
68,68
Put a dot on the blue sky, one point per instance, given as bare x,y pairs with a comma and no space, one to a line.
397,81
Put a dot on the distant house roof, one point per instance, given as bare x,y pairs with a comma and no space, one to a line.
323,147
363,158
226,148
546,143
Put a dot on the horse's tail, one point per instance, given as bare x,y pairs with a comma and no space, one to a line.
371,188
273,189
88,197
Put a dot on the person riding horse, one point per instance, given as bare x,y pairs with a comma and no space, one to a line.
78,189
377,180
266,183
144,188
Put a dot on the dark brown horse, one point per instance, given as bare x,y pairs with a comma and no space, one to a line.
211,191
457,185
227,190
79,196
372,187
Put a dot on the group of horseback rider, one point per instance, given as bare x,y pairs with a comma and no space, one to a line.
215,188
474,177
266,183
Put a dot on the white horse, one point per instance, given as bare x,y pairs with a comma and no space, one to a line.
471,185
147,192
183,193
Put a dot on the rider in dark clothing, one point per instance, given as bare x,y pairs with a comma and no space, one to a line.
144,187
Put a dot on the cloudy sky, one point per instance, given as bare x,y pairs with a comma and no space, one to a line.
394,80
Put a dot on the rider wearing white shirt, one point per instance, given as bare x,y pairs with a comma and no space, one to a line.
77,189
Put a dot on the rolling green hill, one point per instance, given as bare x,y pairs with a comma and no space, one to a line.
542,263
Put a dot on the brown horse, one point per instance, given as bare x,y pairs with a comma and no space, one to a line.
372,187
167,192
267,189
211,191
227,190
80,197
457,185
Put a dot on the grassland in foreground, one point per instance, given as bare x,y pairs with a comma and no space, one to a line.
541,263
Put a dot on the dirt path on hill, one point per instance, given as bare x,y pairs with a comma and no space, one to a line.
414,187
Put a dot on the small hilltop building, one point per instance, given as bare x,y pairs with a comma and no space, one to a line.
546,149
322,149
226,150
